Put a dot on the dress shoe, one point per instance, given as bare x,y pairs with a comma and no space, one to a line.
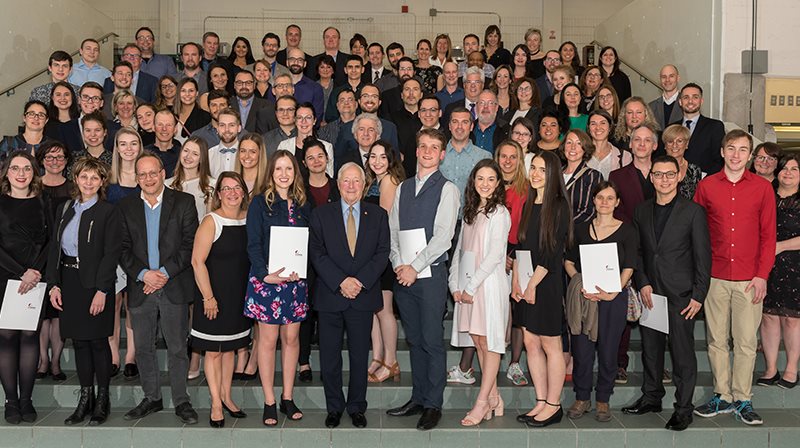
145,408
429,419
12,412
678,422
333,419
769,381
553,419
131,372
305,376
248,376
359,419
641,407
186,413
216,423
27,410
405,410
235,414
60,376
114,370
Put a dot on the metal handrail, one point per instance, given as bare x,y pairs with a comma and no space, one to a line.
11,90
638,72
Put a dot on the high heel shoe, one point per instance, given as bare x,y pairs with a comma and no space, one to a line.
555,418
524,418
270,413
393,373
472,420
235,414
498,409
290,409
12,412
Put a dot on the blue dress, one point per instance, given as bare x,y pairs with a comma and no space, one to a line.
267,303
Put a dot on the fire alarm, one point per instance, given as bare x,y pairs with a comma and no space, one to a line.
404,9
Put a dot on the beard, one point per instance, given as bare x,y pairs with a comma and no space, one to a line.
296,69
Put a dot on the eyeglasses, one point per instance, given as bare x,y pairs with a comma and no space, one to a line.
131,55
227,189
765,159
290,60
605,97
285,110
91,99
305,118
431,110
369,96
243,83
552,60
473,82
168,85
54,158
27,169
347,100
283,85
677,141
150,175
594,75
39,115
145,38
668,174
520,134
487,103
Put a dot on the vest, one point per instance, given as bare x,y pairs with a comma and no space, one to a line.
419,210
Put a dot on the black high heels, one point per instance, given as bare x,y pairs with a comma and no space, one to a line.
555,418
290,409
235,414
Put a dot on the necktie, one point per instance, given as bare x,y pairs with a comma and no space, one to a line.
689,124
374,76
472,109
351,230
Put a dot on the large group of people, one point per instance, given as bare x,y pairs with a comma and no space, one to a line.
161,190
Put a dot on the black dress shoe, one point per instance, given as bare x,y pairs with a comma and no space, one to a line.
333,419
235,414
186,413
114,370
248,376
145,408
405,410
783,384
216,423
359,419
641,407
60,376
42,375
237,376
305,376
678,422
131,372
533,422
429,419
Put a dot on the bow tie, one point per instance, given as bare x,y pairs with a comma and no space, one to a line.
227,150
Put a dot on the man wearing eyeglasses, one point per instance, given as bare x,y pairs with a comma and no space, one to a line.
143,85
489,129
552,59
675,262
354,69
249,106
707,133
391,99
88,69
158,228
285,108
305,89
473,86
156,65
90,99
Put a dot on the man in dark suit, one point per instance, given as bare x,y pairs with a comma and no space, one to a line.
250,107
676,263
144,84
663,107
330,40
349,248
374,69
293,37
158,229
121,79
544,83
707,133
473,86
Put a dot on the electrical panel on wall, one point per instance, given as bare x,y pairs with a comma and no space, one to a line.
782,101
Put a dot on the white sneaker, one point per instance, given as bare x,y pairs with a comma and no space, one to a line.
515,375
455,375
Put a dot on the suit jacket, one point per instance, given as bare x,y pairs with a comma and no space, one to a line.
333,262
99,246
630,195
259,105
339,76
657,106
366,77
145,87
177,227
545,89
679,264
705,144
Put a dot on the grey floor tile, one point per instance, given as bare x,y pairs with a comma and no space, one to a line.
107,436
306,438
15,436
155,437
552,438
347,436
207,437
656,438
699,437
647,421
162,419
46,437
745,437
397,438
245,437
503,438
784,438
608,438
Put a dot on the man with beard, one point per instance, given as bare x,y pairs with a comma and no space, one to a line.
391,100
354,69
217,101
156,65
407,121
285,107
472,44
552,59
490,129
706,133
222,157
248,106
190,56
473,86
395,52
305,89
270,44
166,147
120,79
330,40
368,101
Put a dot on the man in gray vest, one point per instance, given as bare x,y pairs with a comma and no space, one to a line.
429,202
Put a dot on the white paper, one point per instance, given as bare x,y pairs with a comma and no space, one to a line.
288,248
657,317
412,242
22,312
466,269
524,269
122,280
600,267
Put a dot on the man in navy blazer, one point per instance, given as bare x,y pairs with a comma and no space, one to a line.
143,84
349,248
707,133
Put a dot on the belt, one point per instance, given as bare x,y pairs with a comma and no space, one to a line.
70,262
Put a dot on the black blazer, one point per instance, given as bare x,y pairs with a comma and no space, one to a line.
259,106
99,246
679,265
333,262
705,144
177,227
69,133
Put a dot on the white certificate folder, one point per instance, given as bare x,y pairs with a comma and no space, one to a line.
600,267
524,269
656,318
22,311
288,248
412,242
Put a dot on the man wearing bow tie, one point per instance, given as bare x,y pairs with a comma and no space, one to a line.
223,156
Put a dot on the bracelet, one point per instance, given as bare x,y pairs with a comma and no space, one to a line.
210,298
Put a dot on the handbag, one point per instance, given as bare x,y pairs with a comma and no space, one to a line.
634,303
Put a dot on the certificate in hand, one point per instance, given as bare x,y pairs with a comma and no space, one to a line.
412,242
524,268
656,318
466,269
22,311
122,280
288,248
600,267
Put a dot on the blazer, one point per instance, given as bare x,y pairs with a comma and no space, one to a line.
630,194
263,107
679,264
657,106
545,89
330,255
177,227
145,87
99,246
532,114
705,144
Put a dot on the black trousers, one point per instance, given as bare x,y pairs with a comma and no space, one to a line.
684,361
332,328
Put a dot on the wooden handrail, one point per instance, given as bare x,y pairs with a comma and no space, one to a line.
12,90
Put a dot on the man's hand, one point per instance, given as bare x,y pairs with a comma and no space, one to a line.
646,294
153,281
406,275
350,287
759,285
692,309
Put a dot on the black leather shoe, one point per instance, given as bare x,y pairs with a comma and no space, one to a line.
359,419
216,423
186,413
641,407
131,372
333,419
102,407
27,410
769,381
42,375
12,413
533,422
235,414
145,408
86,404
60,376
114,370
430,418
305,376
405,410
679,422
248,376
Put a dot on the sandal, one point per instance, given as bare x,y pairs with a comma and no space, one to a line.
370,372
498,409
393,372
270,413
471,420
290,409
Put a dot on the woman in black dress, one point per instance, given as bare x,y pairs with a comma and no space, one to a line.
23,252
56,189
221,265
544,231
609,61
81,270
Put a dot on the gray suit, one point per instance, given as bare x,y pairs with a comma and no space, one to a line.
657,106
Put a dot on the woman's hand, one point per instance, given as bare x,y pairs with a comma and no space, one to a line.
509,264
55,298
29,280
276,279
98,303
210,308
516,292
530,295
466,298
457,297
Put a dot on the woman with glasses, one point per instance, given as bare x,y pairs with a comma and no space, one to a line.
676,140
590,82
765,161
166,93
305,118
35,118
525,101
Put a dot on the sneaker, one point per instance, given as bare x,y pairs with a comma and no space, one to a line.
455,375
622,376
515,375
744,412
667,378
715,406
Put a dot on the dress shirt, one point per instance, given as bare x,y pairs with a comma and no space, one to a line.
377,73
244,108
457,165
443,226
693,123
152,221
446,98
211,136
82,73
484,139
158,65
221,158
309,91
671,99
134,82
742,223
356,213
69,239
